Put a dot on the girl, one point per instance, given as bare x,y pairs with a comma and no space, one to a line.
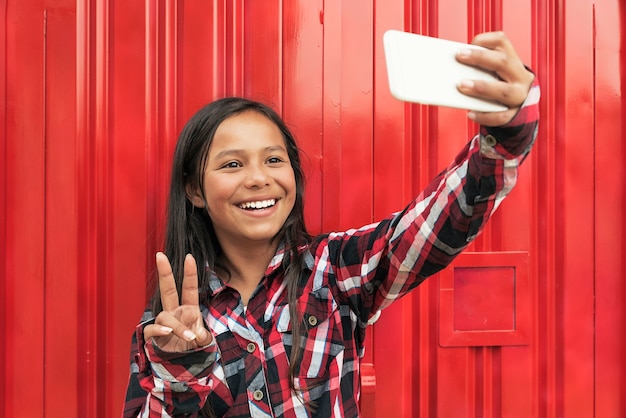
252,315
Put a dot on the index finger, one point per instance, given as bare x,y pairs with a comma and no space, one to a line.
190,282
500,56
167,284
493,40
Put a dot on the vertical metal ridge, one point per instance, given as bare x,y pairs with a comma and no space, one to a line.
85,183
95,227
4,287
422,126
169,64
545,394
219,44
494,401
573,279
331,113
483,16
610,208
280,93
544,175
154,176
235,48
45,170
24,222
103,296
98,288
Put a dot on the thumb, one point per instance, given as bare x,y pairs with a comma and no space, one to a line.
203,336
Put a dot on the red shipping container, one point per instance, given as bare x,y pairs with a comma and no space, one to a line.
528,323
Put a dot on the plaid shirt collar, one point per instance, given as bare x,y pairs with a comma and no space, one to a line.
216,285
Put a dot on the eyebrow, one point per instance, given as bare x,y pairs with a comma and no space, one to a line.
237,152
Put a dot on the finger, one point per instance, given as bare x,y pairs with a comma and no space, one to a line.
492,118
167,284
203,336
179,326
507,66
190,282
164,334
509,94
156,330
497,55
494,40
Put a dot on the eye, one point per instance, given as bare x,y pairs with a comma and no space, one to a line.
231,164
275,160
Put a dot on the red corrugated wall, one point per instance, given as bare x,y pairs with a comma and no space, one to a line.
94,92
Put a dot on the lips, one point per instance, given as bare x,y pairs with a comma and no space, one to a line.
258,204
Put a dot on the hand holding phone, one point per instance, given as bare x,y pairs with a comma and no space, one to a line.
423,69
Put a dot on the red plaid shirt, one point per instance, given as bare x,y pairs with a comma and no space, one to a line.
349,277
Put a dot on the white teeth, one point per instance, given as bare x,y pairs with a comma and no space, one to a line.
261,204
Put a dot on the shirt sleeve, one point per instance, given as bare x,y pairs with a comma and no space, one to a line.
377,264
163,384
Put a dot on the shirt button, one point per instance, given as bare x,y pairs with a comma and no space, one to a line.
251,347
312,321
257,395
490,140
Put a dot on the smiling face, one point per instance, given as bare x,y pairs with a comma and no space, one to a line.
249,184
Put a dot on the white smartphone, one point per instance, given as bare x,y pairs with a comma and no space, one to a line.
423,69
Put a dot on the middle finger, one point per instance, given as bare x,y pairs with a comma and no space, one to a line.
190,282
167,284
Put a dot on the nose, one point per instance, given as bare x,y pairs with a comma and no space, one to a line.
257,176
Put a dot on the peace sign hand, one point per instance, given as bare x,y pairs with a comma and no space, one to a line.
179,327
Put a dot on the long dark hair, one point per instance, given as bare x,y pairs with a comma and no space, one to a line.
189,230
